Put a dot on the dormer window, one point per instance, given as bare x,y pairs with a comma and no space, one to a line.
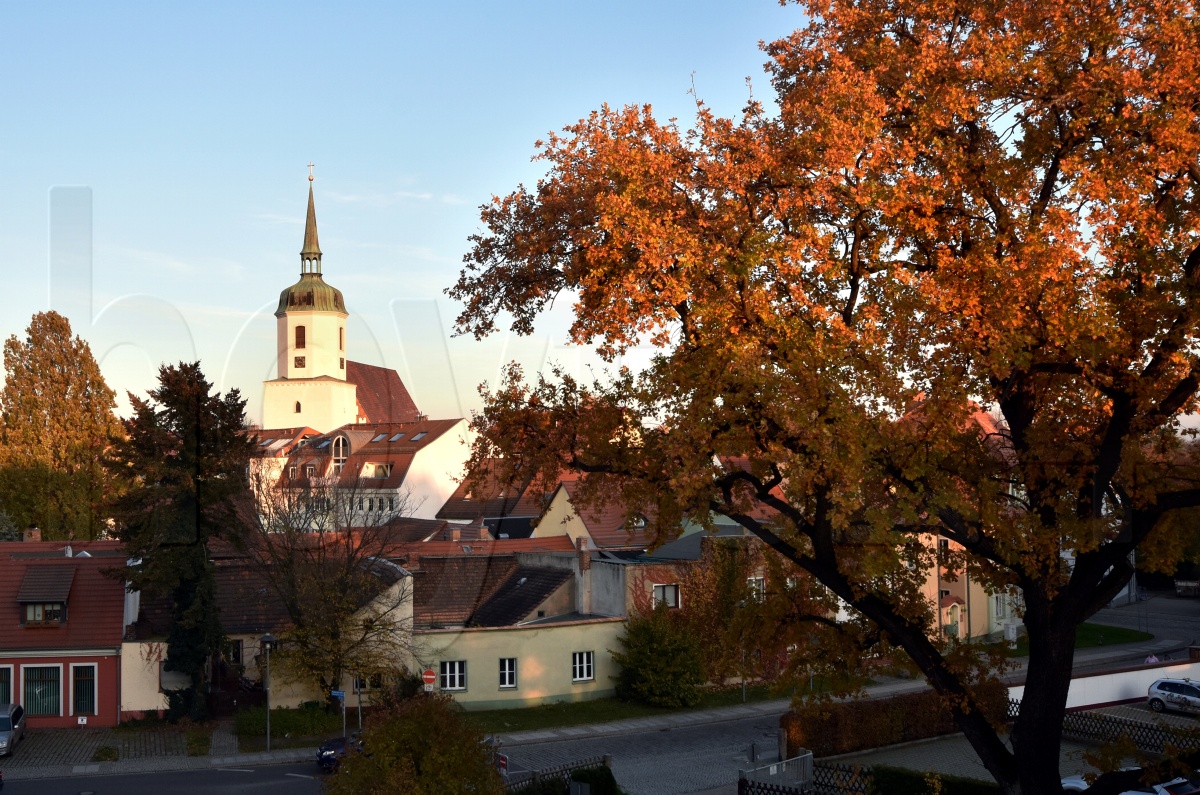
45,614
341,450
310,471
292,472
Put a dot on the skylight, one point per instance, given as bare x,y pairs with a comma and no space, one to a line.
419,436
396,437
267,442
379,437
323,445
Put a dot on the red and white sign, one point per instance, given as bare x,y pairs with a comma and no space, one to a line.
429,677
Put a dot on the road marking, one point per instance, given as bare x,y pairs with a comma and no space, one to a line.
235,769
298,775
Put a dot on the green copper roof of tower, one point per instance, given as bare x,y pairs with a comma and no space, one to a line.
311,293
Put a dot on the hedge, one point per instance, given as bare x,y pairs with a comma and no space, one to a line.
848,726
898,781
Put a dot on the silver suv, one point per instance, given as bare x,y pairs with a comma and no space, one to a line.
1180,694
12,727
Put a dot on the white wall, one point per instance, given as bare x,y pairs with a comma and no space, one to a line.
1088,691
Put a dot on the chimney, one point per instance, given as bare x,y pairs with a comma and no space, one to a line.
585,556
583,588
68,551
484,533
32,534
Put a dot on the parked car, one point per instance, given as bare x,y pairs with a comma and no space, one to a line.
1176,786
330,754
1180,694
12,727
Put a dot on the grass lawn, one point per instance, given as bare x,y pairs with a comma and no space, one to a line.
601,710
1090,636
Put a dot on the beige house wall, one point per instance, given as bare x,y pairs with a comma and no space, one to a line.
560,518
140,688
544,661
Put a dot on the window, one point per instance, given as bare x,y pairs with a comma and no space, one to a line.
419,436
757,587
364,683
1000,606
391,503
396,437
292,472
233,652
298,362
582,667
310,471
378,437
666,595
340,452
342,342
508,672
45,614
300,338
43,689
6,684
342,363
83,689
454,674
370,503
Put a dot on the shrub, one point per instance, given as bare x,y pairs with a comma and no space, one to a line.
662,663
898,781
302,722
848,726
420,747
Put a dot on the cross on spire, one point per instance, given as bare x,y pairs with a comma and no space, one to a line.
310,168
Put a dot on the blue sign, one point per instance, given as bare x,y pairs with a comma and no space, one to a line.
338,693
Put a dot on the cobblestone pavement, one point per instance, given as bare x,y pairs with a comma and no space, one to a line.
1142,714
78,746
676,761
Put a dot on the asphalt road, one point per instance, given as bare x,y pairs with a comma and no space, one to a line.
679,761
301,779
1166,616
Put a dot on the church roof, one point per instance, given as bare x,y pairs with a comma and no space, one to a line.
382,396
311,294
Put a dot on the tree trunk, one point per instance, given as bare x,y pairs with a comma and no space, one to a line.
1037,733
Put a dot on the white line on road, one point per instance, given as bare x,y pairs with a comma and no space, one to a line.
298,775
235,769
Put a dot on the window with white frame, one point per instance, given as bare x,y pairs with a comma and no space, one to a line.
1001,606
370,682
454,674
341,451
42,686
6,693
666,595
83,688
583,667
757,587
508,672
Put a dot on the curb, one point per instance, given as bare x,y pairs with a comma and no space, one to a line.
162,764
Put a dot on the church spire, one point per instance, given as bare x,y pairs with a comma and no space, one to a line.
310,256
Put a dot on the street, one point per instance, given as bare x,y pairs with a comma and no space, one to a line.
295,778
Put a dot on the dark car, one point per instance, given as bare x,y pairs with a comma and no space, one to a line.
330,754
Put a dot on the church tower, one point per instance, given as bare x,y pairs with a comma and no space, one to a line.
311,388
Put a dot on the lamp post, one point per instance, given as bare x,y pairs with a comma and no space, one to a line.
268,642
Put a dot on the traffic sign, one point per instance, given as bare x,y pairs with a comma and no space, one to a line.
338,693
429,677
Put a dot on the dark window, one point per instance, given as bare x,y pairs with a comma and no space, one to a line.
342,341
45,613
297,406
298,362
6,685
233,652
299,336
84,689
43,689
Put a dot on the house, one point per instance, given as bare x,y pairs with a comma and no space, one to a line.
611,526
507,510
61,656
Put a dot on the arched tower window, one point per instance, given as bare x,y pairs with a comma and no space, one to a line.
340,450
341,339
297,406
299,336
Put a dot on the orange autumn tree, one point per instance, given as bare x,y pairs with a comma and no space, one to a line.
990,204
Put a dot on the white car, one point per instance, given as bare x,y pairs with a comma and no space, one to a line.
1176,786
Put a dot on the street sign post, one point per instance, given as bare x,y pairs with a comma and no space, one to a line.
428,677
341,694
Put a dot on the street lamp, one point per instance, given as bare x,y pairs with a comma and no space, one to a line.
268,642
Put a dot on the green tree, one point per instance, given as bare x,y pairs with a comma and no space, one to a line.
661,663
948,289
186,453
421,746
56,421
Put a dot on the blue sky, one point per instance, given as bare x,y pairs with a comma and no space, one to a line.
189,126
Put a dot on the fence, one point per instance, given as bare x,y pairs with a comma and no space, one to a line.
1150,738
830,778
520,782
795,772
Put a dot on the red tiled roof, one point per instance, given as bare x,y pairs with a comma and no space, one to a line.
95,603
519,595
607,524
448,590
411,555
363,450
382,396
482,494
245,601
